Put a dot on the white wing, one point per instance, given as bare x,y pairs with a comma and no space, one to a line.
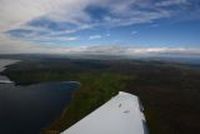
120,115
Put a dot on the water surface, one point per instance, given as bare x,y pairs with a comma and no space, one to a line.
28,109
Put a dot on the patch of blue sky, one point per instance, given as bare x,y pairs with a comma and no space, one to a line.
97,13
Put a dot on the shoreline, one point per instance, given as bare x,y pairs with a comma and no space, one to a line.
3,65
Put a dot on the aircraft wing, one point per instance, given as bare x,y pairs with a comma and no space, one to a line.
120,115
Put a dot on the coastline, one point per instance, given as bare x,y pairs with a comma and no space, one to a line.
3,64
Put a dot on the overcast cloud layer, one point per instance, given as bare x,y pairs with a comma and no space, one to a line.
75,26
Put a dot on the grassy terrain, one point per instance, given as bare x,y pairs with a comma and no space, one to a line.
95,90
170,92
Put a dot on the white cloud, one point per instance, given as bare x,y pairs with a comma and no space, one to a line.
93,37
134,32
108,34
131,51
70,38
16,13
18,46
13,45
53,39
171,3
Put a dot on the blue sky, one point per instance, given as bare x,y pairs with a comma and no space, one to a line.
82,26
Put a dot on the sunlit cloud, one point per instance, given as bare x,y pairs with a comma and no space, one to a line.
93,37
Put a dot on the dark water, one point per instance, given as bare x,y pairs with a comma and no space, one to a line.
26,110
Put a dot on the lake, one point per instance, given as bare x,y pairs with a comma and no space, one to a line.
28,109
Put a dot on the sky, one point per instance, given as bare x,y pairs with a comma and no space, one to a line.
118,27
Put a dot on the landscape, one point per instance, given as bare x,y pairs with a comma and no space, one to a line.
169,91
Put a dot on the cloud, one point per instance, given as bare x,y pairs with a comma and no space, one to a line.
93,37
54,39
171,3
10,45
18,46
108,34
28,24
131,51
134,32
15,14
